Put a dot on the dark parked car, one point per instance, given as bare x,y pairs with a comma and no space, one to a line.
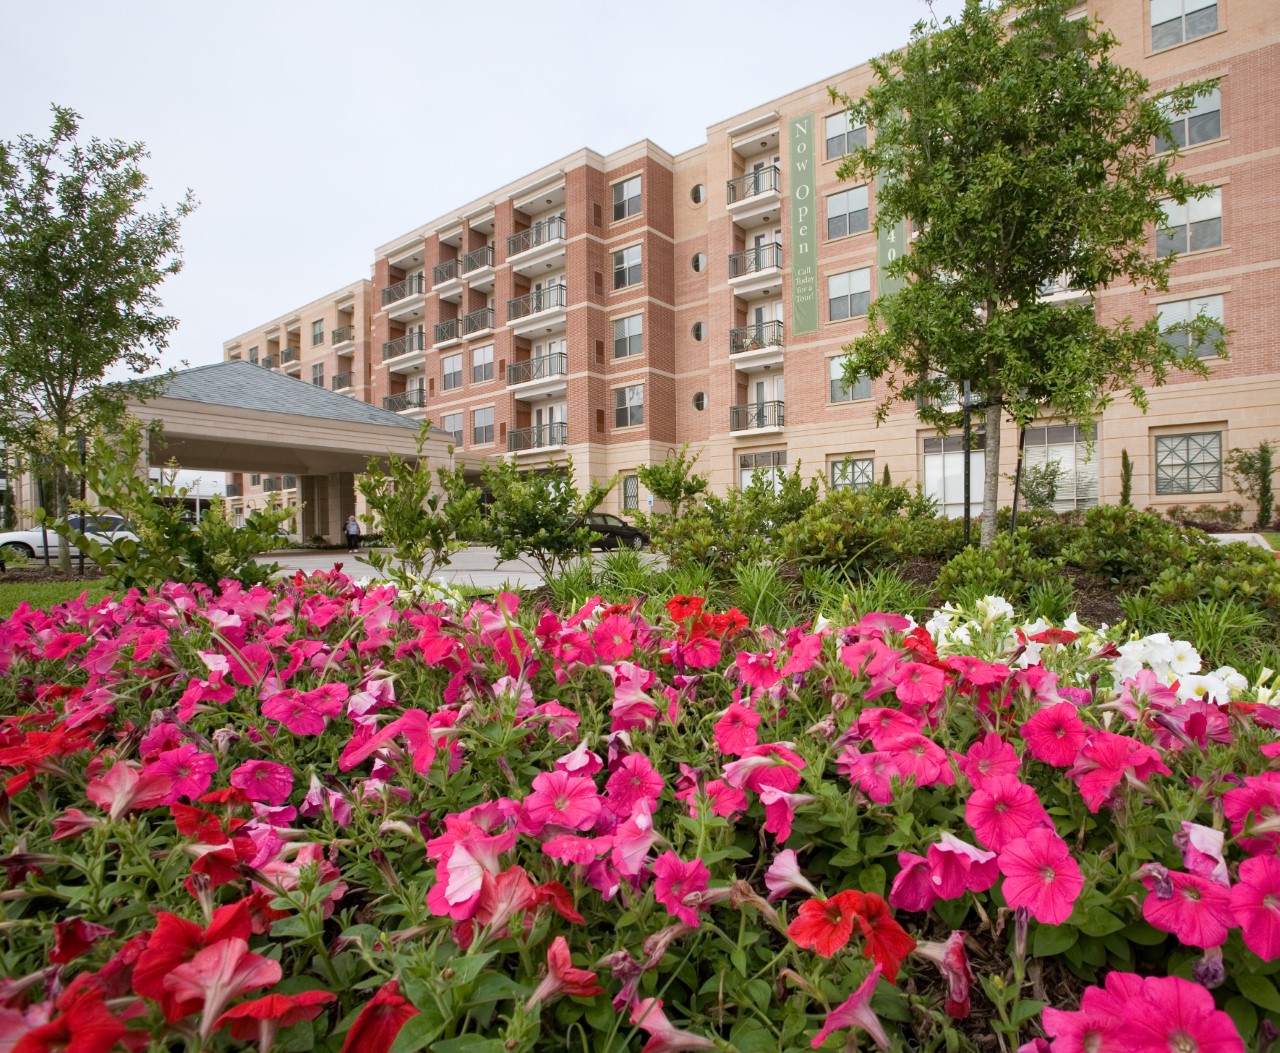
614,532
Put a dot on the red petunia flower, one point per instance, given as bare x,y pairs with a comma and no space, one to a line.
260,1019
379,1022
825,925
887,942
563,977
72,938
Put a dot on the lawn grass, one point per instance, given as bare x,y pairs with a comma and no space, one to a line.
45,593
1273,540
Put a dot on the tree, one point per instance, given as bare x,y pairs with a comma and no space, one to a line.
674,480
80,265
1020,152
1251,469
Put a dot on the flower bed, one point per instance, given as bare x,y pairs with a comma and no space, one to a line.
317,817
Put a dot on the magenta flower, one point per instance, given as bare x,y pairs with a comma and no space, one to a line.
957,867
124,788
664,1037
261,780
757,670
918,685
869,772
1002,810
1055,735
885,726
614,638
951,959
921,757
988,758
784,876
1040,874
856,1011
1195,909
803,654
1255,905
1257,801
1105,760
735,732
632,840
780,810
633,780
674,881
559,799
1201,848
913,887
306,712
189,770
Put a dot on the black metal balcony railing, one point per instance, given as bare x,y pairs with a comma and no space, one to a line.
443,272
761,258
268,362
289,354
447,330
403,345
414,398
754,337
756,415
234,490
761,181
270,485
478,321
548,230
541,368
289,482
341,381
553,296
481,257
343,334
538,437
414,285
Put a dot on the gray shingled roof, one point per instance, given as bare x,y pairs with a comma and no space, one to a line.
243,385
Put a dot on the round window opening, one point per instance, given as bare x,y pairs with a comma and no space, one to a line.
700,401
698,193
698,331
699,261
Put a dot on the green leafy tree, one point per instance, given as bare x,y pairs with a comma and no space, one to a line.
1251,470
539,514
424,515
674,480
1020,152
1126,478
80,266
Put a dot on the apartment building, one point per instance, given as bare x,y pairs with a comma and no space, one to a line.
607,308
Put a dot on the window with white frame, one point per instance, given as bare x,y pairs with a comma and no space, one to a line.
630,493
628,335
452,423
1191,227
1189,464
452,367
768,465
482,364
628,406
839,390
852,473
944,473
626,267
1201,124
1182,312
626,198
842,137
317,374
255,479
847,212
848,294
317,331
482,426
1076,457
1176,21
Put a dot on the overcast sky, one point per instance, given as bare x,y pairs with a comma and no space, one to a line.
313,131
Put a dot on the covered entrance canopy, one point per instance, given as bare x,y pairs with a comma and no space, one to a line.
236,416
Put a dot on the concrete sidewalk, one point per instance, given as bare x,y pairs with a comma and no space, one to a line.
477,566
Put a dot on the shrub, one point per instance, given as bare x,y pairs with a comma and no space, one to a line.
1251,471
1128,546
1008,568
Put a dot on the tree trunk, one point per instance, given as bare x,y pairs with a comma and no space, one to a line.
991,470
62,496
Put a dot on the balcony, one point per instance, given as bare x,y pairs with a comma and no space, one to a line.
756,346
477,268
341,381
754,194
540,309
403,345
478,322
414,285
757,417
289,355
758,270
268,362
446,333
530,251
446,280
414,398
543,375
270,485
343,335
1060,290
234,490
542,437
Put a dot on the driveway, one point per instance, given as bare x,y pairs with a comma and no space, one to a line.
477,566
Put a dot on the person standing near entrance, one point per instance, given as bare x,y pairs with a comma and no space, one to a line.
352,532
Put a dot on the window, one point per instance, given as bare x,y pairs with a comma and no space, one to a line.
1191,227
1065,445
944,473
1173,21
482,364
253,355
1201,124
699,400
841,138
628,406
699,261
698,194
847,212
452,365
770,466
626,198
842,392
630,493
852,473
317,374
255,479
482,426
626,267
1182,311
628,334
1189,464
848,294
452,423
317,332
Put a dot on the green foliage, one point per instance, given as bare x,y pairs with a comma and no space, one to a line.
1007,568
423,516
759,591
886,590
1015,126
1251,470
1051,600
1126,478
848,528
1130,547
1039,486
170,545
674,481
538,514
46,594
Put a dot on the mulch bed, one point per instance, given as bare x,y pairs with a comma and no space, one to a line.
34,572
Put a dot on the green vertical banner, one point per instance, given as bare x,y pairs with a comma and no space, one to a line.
804,226
890,244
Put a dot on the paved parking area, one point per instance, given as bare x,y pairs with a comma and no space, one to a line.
478,566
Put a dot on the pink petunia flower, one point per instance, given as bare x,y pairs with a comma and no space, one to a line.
188,770
1257,801
632,840
913,888
1255,905
988,758
664,1037
921,758
856,1011
261,780
1195,909
784,876
563,800
1107,759
1202,848
634,780
1002,810
780,810
869,772
735,731
1040,874
757,670
124,788
957,867
306,712
614,638
803,654
951,959
1055,734
884,726
918,685
674,881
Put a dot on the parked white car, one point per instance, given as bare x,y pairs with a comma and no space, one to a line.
30,543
